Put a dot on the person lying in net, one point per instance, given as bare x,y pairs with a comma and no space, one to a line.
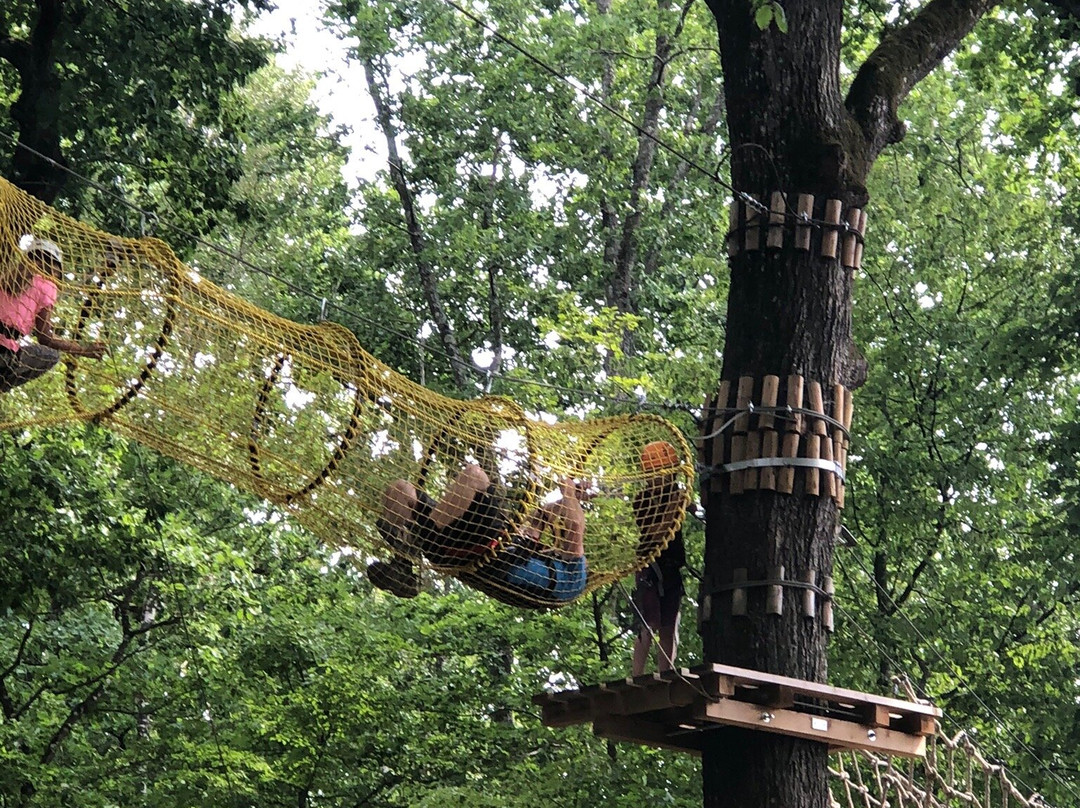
468,525
27,295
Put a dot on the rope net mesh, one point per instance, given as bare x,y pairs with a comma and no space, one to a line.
531,513
953,773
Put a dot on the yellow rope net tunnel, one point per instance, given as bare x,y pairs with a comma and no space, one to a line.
533,514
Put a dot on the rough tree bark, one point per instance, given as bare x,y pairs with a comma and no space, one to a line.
789,312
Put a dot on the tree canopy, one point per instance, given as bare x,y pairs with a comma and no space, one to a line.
164,640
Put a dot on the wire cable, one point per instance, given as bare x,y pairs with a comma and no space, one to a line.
898,666
710,173
761,207
632,399
967,686
654,640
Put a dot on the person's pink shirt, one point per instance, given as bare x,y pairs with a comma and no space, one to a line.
20,311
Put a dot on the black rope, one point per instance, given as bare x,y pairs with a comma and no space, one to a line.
324,304
715,588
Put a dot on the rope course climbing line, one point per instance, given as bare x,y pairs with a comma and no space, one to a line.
990,712
591,96
785,413
873,780
304,417
954,772
631,400
655,641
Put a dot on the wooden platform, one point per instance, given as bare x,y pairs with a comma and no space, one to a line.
673,711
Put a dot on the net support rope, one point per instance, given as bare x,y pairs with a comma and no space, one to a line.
953,772
302,416
534,514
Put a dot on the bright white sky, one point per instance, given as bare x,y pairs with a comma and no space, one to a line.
341,91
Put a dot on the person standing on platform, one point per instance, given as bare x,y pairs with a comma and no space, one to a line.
658,589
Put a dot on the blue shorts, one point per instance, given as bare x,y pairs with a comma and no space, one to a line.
554,578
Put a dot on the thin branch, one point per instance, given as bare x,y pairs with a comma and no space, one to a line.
19,653
426,272
626,259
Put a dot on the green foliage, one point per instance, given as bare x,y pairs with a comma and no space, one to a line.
142,105
165,642
515,173
962,570
767,12
215,656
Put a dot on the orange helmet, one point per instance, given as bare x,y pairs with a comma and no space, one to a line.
658,455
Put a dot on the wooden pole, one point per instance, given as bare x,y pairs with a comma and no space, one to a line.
830,235
777,215
862,235
753,218
774,596
786,479
809,597
840,393
770,441
848,412
851,238
738,594
802,227
813,439
739,429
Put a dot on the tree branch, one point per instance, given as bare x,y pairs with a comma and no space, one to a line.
117,660
495,309
458,367
626,259
15,52
706,130
609,217
903,57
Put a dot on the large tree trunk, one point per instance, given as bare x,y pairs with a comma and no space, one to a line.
789,312
38,164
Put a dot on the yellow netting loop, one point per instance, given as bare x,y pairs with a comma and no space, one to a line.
302,416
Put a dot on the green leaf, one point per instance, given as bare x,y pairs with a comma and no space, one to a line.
781,18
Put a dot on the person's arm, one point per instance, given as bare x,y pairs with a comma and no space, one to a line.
43,332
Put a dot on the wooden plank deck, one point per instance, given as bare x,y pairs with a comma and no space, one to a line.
673,709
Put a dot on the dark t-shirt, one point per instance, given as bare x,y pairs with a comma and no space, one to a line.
651,509
471,536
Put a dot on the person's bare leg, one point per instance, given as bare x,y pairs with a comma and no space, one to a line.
642,644
669,646
396,574
399,500
471,481
570,540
